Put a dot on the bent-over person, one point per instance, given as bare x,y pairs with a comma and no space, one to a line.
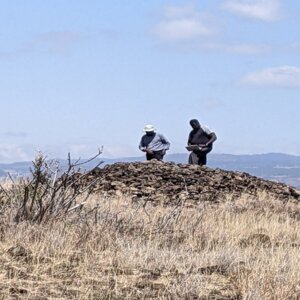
153,144
202,137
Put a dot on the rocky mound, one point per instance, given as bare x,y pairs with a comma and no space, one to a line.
168,182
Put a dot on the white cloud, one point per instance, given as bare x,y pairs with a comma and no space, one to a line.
12,153
182,23
186,29
112,151
264,10
285,77
247,49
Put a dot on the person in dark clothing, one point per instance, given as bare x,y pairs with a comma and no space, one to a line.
203,138
154,144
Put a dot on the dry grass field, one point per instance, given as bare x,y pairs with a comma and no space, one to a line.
113,248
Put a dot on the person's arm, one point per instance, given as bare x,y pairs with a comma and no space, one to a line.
189,139
165,142
141,146
213,138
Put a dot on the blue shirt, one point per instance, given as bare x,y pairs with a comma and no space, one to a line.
155,143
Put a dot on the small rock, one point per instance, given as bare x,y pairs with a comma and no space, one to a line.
19,251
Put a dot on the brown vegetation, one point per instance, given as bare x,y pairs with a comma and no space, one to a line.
111,247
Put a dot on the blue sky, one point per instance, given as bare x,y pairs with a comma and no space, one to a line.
76,75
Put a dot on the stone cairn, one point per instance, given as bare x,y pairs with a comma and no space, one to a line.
166,182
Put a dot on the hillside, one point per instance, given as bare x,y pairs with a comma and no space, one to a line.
149,230
277,167
166,182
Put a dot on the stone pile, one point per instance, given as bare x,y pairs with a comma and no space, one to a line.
167,182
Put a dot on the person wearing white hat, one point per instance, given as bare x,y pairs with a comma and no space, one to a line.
153,144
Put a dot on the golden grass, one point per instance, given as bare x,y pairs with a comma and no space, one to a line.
241,249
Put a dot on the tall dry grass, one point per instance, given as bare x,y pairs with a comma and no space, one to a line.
113,248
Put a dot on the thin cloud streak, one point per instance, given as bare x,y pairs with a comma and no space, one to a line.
263,10
56,43
213,104
292,47
245,49
53,42
281,77
15,134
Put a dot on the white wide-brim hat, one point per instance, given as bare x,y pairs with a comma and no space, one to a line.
149,128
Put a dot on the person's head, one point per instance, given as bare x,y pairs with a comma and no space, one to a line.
149,129
195,124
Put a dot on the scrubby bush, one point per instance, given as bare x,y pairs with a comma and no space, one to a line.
49,192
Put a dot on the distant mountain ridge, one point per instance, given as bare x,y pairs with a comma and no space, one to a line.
273,166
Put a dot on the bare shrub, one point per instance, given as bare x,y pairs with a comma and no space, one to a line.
50,192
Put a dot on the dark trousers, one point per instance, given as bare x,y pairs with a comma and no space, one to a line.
199,157
159,155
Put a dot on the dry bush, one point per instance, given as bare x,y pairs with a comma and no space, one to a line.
112,248
49,193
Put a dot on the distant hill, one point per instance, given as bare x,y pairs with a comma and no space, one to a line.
273,166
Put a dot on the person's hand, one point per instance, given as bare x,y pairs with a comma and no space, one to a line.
202,145
149,151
